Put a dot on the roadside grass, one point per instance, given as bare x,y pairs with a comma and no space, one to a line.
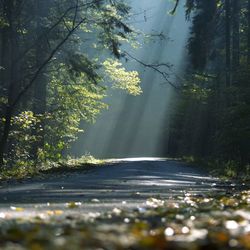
230,170
24,170
28,169
225,170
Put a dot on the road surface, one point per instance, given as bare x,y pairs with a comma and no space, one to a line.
127,183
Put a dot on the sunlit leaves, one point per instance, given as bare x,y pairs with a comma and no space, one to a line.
122,79
196,92
75,93
25,120
24,127
3,22
73,76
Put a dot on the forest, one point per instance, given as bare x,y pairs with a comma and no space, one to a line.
58,58
51,75
124,124
217,84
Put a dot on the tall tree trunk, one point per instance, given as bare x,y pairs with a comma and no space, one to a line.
228,41
5,45
10,73
3,56
248,38
40,87
236,40
5,134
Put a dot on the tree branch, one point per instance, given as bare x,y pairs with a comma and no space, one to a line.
61,19
28,86
156,67
175,7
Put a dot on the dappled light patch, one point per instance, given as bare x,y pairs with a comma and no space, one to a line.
54,212
17,209
73,205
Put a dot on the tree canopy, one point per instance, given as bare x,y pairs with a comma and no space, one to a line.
52,75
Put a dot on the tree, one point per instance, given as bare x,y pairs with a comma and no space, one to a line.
40,85
236,6
248,37
60,78
216,84
228,41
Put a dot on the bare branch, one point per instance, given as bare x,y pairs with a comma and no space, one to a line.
76,11
156,67
175,7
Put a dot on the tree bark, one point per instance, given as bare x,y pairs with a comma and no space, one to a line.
228,41
10,73
13,102
40,85
248,38
5,45
236,39
5,134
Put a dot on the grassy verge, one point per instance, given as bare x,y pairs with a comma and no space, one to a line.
26,170
226,170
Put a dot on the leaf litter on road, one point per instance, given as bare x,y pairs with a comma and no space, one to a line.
188,222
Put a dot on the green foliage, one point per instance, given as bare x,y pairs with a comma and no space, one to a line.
226,170
197,92
208,128
203,31
24,169
87,159
122,79
70,88
212,113
72,97
3,22
23,135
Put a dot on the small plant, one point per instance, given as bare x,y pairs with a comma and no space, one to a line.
230,169
26,169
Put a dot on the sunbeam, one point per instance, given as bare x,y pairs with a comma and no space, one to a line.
124,124
133,126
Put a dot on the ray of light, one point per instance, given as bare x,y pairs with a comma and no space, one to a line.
133,126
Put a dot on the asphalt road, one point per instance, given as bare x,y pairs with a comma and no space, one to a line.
127,183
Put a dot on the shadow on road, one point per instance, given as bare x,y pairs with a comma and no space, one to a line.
125,180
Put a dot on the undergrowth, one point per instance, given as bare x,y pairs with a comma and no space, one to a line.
22,170
227,170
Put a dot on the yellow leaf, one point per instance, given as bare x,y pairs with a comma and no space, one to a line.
73,204
17,209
